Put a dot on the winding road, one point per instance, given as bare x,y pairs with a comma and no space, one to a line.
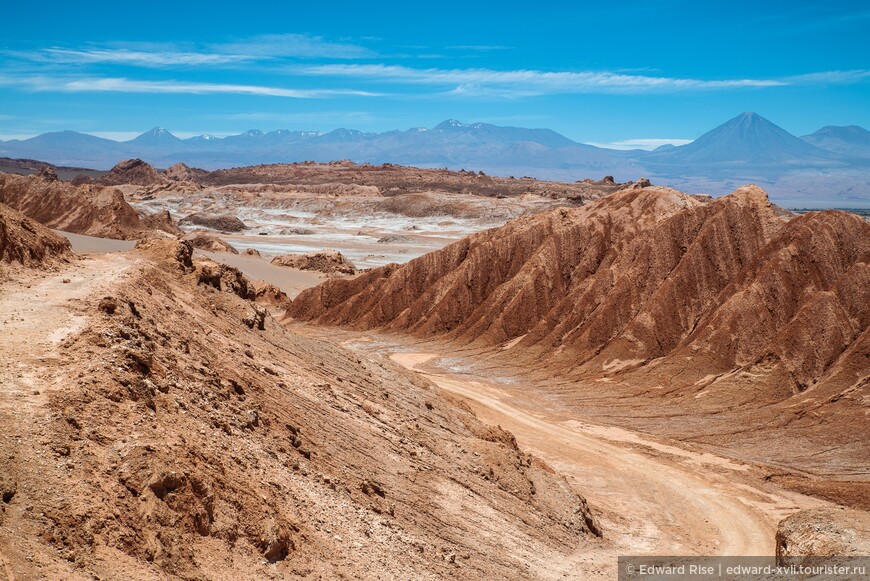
652,497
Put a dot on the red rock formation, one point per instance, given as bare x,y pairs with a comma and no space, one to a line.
26,242
86,209
636,276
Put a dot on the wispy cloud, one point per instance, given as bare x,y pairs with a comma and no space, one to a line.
293,45
483,82
139,57
125,85
272,47
829,77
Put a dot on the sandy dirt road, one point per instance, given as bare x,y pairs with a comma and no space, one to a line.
652,497
38,310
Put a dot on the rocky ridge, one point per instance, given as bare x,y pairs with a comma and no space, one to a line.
207,441
87,209
28,243
133,172
769,314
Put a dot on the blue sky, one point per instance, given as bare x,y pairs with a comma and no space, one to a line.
597,72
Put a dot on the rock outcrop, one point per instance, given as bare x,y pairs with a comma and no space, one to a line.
221,222
270,294
822,532
182,173
85,209
133,172
210,242
48,173
26,242
642,274
327,261
162,221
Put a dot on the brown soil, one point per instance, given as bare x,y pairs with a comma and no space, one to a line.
157,425
654,497
91,210
714,321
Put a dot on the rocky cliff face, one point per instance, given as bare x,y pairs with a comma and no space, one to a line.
28,243
639,275
671,304
85,209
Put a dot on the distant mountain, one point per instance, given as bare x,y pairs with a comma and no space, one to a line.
157,138
66,148
747,139
746,149
846,140
452,129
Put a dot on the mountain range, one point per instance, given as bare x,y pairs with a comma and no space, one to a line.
828,168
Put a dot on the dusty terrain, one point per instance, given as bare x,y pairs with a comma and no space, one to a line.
823,532
714,322
714,506
375,215
156,424
593,379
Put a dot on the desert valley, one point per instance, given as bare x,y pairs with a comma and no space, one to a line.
358,371
473,291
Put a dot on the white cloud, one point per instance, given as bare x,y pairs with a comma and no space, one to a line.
524,83
142,58
647,144
125,85
292,45
480,47
269,47
829,77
